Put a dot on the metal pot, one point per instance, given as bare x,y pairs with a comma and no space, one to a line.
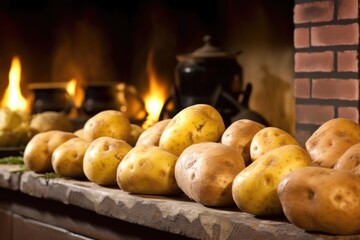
214,77
200,74
50,96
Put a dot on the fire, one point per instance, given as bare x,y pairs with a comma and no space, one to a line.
156,95
71,87
75,91
13,99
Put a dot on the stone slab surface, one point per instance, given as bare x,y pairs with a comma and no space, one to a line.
172,214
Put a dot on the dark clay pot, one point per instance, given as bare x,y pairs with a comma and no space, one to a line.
100,96
206,71
50,97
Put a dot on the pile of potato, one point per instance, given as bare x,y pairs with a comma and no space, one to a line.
261,170
18,127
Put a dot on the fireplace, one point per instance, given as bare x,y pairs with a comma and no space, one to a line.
301,57
97,42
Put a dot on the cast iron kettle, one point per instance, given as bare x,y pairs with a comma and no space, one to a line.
205,69
209,75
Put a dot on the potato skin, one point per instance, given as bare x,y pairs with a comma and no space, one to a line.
108,123
322,200
67,158
151,136
49,120
80,133
135,133
254,188
350,160
148,169
38,152
269,138
205,172
194,124
102,158
239,136
331,140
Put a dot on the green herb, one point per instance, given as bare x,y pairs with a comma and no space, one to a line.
19,160
21,169
50,175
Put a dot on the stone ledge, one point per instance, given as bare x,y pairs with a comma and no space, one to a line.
177,215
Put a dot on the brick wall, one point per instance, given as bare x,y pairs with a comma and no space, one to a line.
326,41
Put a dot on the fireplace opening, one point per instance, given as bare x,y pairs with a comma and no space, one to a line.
131,42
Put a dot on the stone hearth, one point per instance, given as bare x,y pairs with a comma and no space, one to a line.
71,209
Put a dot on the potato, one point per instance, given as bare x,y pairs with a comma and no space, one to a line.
50,120
331,140
17,137
269,138
148,170
254,188
67,158
194,124
15,130
135,132
350,160
80,133
9,119
38,152
102,158
151,135
108,123
322,200
205,172
239,136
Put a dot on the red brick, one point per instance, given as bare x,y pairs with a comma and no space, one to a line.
314,62
351,113
335,89
348,9
301,38
314,114
320,11
330,35
347,61
302,88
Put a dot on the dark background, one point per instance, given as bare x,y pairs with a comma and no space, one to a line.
110,40
114,41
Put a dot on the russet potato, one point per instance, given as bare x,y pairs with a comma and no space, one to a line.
194,124
331,140
102,158
135,133
67,158
151,136
254,188
38,152
80,133
50,120
148,169
239,136
269,138
350,160
205,172
322,200
108,123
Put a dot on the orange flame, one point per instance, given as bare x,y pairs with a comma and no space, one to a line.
156,95
13,99
75,91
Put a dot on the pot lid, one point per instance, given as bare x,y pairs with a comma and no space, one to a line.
207,51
